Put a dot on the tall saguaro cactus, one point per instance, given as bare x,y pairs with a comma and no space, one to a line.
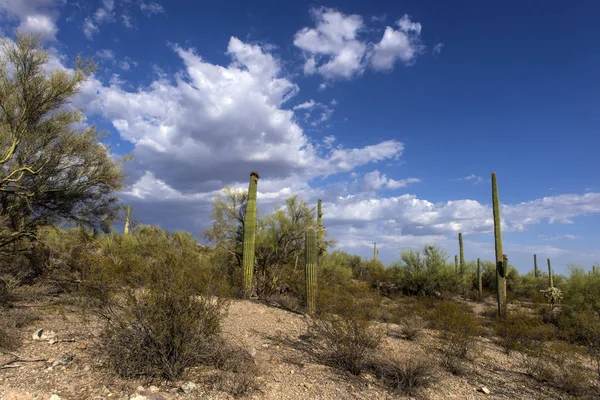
462,254
320,242
455,264
550,275
250,234
535,268
479,283
127,220
310,270
501,260
375,251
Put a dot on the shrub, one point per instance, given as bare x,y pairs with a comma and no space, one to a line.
459,327
406,377
520,331
349,340
238,369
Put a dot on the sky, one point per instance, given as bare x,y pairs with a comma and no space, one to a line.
395,114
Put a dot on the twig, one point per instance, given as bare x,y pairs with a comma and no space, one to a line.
18,358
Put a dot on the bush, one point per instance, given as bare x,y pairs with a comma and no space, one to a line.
406,377
459,327
520,331
349,341
238,370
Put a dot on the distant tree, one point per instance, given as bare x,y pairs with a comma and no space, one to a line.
53,169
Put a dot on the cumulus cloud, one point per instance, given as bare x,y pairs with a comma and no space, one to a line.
33,16
375,180
336,47
151,7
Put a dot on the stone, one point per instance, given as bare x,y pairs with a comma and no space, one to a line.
43,335
188,387
483,390
55,397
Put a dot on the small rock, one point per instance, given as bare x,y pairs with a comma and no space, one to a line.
277,379
309,386
252,352
64,360
265,345
153,389
484,390
188,387
43,335
82,346
86,368
138,397
140,389
55,397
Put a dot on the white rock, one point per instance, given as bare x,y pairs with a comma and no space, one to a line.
188,387
55,397
153,389
44,335
484,390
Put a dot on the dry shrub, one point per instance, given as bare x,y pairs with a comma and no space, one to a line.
349,341
520,331
407,376
237,370
459,327
11,320
10,338
559,364
412,328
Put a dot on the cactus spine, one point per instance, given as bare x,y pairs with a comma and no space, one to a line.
250,235
535,268
455,264
501,260
479,283
310,271
127,218
322,249
375,251
462,254
550,275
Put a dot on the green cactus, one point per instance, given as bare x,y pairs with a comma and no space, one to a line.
320,242
310,271
455,264
250,235
550,275
127,217
462,254
593,269
501,259
375,251
479,280
535,268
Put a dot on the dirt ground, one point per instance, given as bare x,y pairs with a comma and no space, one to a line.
71,369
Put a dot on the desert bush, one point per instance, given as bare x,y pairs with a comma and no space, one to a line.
237,369
412,328
459,327
10,338
407,376
520,331
349,341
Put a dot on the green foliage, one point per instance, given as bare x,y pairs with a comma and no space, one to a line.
521,331
52,171
425,273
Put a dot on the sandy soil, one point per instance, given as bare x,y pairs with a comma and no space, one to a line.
276,338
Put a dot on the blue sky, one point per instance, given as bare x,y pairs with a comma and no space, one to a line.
394,113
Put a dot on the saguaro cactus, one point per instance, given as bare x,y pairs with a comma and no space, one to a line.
501,260
535,269
550,275
310,270
375,251
127,218
479,283
322,249
250,234
462,254
455,264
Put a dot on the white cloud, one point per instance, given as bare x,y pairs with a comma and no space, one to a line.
558,237
397,44
473,178
33,16
437,49
307,105
375,180
334,48
106,54
151,7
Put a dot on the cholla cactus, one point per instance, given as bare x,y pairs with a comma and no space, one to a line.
554,295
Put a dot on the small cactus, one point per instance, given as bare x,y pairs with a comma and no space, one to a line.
127,220
550,275
250,235
553,295
479,283
462,254
310,271
501,260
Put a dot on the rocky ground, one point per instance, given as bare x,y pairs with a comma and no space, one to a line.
61,362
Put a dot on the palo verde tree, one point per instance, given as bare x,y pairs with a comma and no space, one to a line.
52,170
